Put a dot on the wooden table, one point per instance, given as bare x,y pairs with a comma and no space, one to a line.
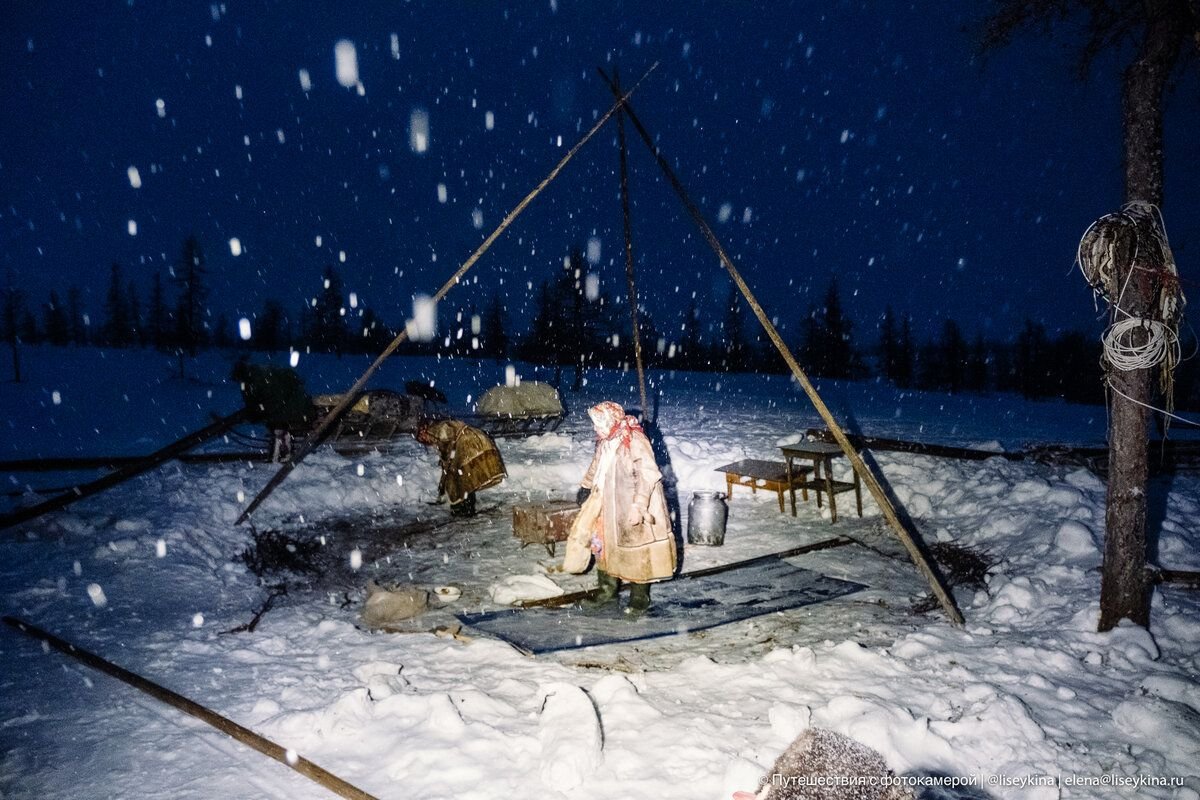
775,476
821,454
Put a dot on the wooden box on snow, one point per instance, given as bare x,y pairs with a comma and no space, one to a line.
544,523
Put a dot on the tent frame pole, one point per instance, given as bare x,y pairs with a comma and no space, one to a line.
856,461
629,275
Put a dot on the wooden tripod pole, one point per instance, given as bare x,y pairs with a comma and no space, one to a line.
225,725
305,447
859,466
633,296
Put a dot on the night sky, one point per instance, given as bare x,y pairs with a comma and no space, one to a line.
864,141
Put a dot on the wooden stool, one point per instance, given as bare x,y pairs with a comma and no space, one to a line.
821,454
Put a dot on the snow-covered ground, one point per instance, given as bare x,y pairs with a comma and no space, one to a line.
149,576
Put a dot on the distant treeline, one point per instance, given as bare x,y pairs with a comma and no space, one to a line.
577,327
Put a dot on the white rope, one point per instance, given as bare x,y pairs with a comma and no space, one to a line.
1133,343
1160,343
1164,412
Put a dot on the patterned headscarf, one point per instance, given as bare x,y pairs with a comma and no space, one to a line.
611,422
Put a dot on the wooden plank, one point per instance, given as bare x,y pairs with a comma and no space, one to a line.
1187,578
225,725
1165,455
920,448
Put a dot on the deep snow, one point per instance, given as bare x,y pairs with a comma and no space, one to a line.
148,576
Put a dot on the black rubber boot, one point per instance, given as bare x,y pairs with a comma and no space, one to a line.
606,592
465,507
639,599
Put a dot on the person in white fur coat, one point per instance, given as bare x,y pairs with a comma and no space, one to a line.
624,521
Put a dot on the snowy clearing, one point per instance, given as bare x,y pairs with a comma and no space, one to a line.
149,576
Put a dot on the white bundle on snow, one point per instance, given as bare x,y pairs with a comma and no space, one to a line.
390,605
516,588
569,730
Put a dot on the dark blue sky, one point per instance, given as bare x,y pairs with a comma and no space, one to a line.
862,141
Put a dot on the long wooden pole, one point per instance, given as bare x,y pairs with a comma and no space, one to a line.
225,725
629,278
306,446
126,472
860,467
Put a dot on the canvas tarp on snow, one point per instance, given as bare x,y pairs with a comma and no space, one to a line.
682,605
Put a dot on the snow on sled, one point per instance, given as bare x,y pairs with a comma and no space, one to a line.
523,410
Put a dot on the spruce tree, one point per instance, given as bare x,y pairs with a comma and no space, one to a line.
493,336
117,331
10,324
270,332
189,315
329,332
137,326
953,356
889,346
78,317
692,355
905,354
828,344
977,366
55,322
159,319
734,348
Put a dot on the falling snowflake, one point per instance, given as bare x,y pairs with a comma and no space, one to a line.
346,63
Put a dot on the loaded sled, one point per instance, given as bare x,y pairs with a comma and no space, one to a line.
523,410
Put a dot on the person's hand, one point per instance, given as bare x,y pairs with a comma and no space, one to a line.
635,517
582,495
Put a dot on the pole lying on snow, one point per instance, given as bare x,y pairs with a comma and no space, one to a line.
860,467
305,447
130,470
227,726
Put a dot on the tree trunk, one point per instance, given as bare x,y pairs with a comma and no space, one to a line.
1124,588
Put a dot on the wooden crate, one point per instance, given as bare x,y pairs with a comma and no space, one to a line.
545,523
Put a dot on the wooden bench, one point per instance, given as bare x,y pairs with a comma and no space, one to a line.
769,475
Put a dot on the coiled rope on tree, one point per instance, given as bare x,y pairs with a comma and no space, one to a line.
1122,243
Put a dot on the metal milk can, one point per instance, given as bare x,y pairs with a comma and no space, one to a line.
706,518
